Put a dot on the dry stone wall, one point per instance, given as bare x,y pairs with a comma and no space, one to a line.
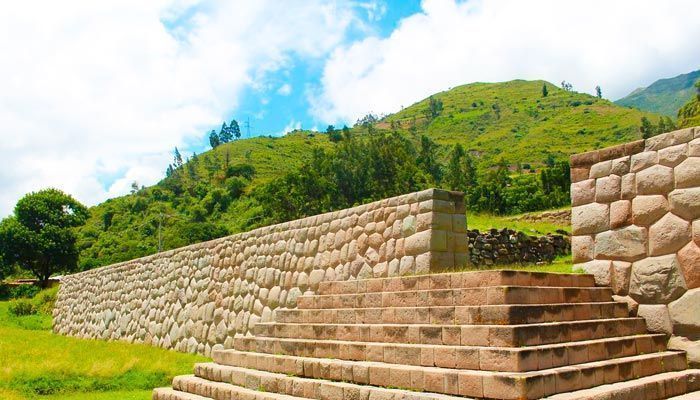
636,226
195,298
506,246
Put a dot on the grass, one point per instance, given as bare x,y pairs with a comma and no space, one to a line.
561,265
37,364
485,222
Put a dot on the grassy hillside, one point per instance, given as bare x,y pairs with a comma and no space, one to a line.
510,123
689,114
665,96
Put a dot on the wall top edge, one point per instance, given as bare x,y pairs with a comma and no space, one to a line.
314,220
627,149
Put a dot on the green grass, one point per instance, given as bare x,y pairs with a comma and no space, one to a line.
665,96
561,265
37,364
485,222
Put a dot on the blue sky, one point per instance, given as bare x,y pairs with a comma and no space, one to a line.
95,95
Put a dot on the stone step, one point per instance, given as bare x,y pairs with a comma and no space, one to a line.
237,381
682,385
511,359
473,383
460,315
456,281
172,394
222,390
455,335
459,297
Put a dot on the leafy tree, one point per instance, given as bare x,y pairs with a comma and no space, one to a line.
598,92
346,132
334,135
566,86
434,108
39,236
647,128
134,187
427,158
235,129
177,158
225,135
214,139
545,92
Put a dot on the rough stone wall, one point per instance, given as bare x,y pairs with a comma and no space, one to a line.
196,298
506,246
636,226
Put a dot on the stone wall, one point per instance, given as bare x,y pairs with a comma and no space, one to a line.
506,246
197,297
636,226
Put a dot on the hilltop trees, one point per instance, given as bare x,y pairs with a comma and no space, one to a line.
648,129
545,92
461,172
39,236
226,134
598,92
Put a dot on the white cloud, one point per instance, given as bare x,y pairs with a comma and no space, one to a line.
291,126
285,90
619,45
108,88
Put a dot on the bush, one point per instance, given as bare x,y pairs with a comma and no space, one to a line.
22,307
45,300
27,291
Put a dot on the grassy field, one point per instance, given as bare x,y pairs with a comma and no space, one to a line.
37,364
484,222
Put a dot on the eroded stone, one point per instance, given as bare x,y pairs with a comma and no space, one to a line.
648,209
627,244
657,179
668,234
590,218
656,280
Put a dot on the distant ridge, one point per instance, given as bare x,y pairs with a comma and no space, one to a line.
665,96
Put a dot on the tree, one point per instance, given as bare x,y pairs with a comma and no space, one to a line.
647,128
177,158
235,129
225,135
39,236
333,134
214,139
134,187
566,86
545,92
434,108
427,158
598,92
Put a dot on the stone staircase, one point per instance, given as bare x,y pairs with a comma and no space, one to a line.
485,334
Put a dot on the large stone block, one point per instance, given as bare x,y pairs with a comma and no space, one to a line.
620,276
694,148
687,173
628,186
590,218
607,189
620,213
627,244
620,166
657,317
696,231
643,160
689,260
657,179
582,248
685,313
601,169
674,155
685,203
583,192
656,280
648,209
668,234
692,349
600,269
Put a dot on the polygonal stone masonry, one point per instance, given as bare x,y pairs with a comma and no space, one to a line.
689,260
685,313
668,235
657,317
687,173
607,189
583,192
685,203
673,155
657,179
656,280
648,209
620,213
628,243
590,218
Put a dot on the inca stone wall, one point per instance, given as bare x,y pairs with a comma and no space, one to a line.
506,246
636,226
195,298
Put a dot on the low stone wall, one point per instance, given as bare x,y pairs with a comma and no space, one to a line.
506,246
636,226
197,297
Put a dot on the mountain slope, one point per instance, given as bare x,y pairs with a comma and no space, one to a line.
689,114
665,96
209,196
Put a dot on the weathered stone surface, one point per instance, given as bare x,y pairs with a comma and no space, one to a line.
694,148
657,317
656,280
601,169
620,213
607,189
600,269
685,203
648,209
689,260
579,174
696,231
590,218
643,160
627,244
620,277
628,186
632,305
685,312
583,192
657,179
674,155
687,173
582,248
668,234
669,139
620,166
692,349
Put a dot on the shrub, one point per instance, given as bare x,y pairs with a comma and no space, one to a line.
45,300
22,307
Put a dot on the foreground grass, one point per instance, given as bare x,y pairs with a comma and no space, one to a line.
37,364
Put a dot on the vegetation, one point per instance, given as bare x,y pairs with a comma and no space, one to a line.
665,96
39,364
648,129
39,237
689,114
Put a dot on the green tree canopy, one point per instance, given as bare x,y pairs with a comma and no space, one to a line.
39,237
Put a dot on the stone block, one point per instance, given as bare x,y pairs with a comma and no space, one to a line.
582,248
692,349
685,313
669,139
648,209
656,280
607,189
628,186
600,269
583,192
643,160
694,148
601,169
620,166
674,155
627,244
668,235
657,179
620,213
632,305
657,317
696,231
584,159
689,260
687,173
590,218
620,276
685,203
580,173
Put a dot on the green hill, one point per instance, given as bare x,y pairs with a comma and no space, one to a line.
210,195
689,114
665,96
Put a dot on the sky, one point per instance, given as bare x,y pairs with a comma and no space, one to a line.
95,95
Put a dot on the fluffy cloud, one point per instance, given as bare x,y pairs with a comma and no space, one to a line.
618,45
94,95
